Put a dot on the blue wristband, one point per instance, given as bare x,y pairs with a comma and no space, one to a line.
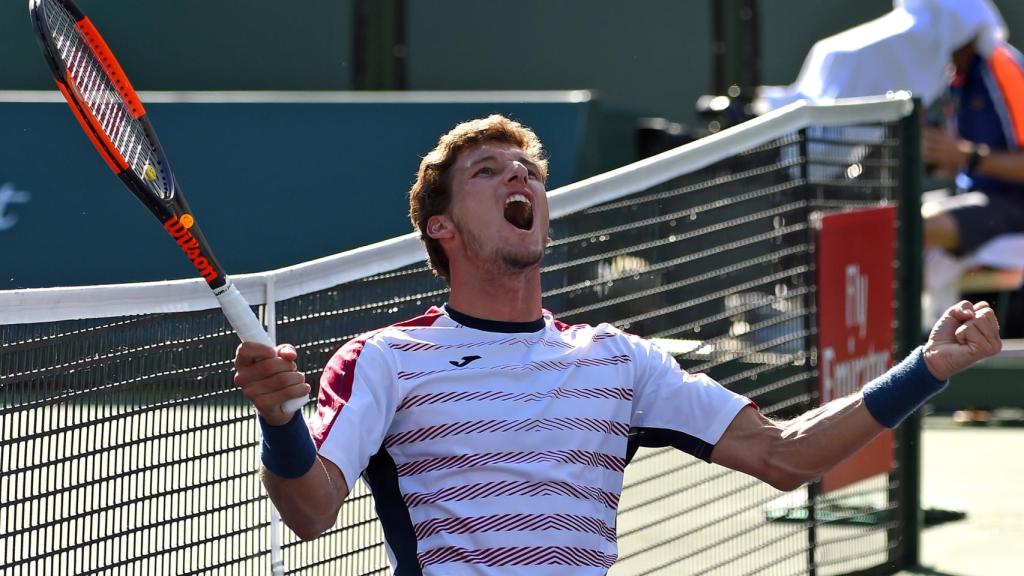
903,389
287,450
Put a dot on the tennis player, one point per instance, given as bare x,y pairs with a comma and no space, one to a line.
493,436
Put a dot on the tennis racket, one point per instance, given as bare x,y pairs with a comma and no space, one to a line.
112,116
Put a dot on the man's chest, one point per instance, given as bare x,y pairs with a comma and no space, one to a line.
522,395
978,117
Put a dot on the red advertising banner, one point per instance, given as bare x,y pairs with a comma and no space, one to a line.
855,321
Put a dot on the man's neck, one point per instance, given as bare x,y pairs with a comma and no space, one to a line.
963,58
510,298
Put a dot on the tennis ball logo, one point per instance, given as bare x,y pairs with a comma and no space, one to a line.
178,229
150,173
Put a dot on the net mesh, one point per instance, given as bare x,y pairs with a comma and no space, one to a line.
126,449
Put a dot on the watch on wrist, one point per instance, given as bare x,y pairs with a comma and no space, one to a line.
978,152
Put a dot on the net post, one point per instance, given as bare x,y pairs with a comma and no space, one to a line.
911,246
277,567
810,342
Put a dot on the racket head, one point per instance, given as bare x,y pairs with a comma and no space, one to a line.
103,101
113,117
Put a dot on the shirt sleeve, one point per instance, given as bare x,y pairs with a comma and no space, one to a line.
1007,75
355,407
667,398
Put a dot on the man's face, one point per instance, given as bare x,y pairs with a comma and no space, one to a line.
499,209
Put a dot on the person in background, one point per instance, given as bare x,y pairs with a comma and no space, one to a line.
954,56
978,145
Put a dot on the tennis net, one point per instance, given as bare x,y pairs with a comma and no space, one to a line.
126,449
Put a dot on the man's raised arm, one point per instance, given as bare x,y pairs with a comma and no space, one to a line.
789,454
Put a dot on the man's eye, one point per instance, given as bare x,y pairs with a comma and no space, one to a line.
533,174
484,171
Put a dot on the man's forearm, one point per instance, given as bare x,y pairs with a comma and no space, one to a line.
826,436
308,490
308,504
816,441
792,453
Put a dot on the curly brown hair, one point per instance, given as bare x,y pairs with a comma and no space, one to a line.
431,194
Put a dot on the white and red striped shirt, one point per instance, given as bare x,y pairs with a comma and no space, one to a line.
500,447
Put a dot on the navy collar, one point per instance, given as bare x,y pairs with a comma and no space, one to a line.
494,325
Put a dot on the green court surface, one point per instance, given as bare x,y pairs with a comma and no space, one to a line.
977,470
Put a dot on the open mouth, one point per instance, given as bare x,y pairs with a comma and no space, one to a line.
519,211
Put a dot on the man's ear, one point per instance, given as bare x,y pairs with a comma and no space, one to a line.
439,226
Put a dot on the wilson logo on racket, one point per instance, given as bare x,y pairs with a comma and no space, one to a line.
178,229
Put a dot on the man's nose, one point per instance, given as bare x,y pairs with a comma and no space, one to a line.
518,171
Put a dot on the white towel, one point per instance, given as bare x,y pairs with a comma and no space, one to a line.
906,49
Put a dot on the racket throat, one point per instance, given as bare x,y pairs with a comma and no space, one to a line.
179,229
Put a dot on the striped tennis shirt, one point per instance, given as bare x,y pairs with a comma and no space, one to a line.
497,447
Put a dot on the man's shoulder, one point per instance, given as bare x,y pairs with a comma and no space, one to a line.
428,319
393,332
1006,65
600,331
1010,51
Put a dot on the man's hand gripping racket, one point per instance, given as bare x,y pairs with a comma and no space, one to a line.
111,114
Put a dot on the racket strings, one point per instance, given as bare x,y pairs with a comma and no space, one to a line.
104,101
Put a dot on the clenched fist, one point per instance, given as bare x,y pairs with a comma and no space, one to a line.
965,334
268,377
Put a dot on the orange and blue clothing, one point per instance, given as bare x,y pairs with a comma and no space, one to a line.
989,99
988,108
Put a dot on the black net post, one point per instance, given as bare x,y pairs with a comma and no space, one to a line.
911,247
736,65
736,49
810,343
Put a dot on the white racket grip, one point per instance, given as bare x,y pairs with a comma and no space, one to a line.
241,317
249,329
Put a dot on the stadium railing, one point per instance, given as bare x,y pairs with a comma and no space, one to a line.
126,448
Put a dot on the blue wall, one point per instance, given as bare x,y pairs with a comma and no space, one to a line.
271,184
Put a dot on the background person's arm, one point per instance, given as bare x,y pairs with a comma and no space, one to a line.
949,154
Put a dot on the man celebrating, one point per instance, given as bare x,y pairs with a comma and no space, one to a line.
494,437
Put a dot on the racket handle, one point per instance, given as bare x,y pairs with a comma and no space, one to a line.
241,318
291,406
249,329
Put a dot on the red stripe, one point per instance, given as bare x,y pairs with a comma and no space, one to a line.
515,523
336,382
519,556
532,366
1010,78
110,66
609,427
94,131
513,488
487,459
503,396
422,346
